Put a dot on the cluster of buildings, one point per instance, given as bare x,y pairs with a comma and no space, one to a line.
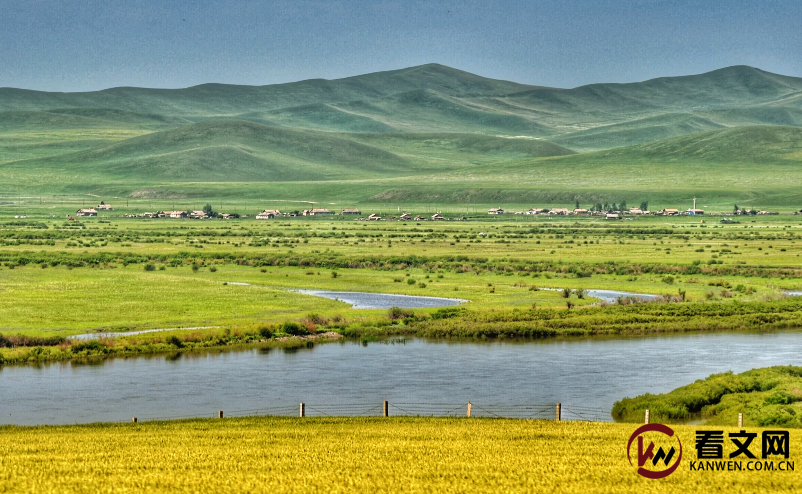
269,214
403,217
586,212
93,211
615,214
195,215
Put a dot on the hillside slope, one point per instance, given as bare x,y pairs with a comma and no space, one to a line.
750,145
435,98
229,151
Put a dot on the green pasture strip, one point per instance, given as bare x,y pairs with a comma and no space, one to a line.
754,241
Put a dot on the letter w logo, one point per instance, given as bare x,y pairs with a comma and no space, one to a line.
649,454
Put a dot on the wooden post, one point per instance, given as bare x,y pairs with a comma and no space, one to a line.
219,414
740,420
647,417
303,409
469,409
385,409
559,411
134,420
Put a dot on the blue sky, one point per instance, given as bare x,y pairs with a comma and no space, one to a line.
77,45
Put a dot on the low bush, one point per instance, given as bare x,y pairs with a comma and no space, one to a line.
294,329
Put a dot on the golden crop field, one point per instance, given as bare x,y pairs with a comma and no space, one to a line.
335,455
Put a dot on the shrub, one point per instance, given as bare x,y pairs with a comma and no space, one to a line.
781,398
294,329
448,312
173,340
396,313
334,274
195,268
668,280
317,319
265,332
212,269
150,267
410,281
89,345
421,285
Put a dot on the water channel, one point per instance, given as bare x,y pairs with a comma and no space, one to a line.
579,372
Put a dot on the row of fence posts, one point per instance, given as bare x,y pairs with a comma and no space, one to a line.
386,411
647,416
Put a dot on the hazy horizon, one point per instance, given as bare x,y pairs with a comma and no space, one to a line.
72,45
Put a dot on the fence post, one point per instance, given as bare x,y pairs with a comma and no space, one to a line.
134,420
219,414
559,411
647,417
303,409
740,420
385,409
469,409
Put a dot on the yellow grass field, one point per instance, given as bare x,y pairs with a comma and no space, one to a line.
331,455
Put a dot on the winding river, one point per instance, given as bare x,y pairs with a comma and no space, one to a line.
582,373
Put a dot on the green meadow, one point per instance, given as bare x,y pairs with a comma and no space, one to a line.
520,277
422,140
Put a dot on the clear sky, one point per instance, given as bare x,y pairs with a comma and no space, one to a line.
75,45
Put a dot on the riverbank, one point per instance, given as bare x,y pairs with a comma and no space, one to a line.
160,343
285,455
767,397
625,318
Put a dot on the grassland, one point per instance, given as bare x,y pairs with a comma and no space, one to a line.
349,455
235,277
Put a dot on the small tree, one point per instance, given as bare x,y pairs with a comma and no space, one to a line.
207,209
735,209
644,205
622,206
577,204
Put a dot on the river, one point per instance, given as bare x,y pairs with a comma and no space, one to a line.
582,373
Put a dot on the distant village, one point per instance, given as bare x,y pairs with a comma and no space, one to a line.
606,211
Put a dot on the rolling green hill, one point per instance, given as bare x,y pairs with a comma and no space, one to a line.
229,151
319,116
423,134
638,131
747,145
434,98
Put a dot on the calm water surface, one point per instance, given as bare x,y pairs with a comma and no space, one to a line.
369,300
581,372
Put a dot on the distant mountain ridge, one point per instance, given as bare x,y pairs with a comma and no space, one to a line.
425,135
435,98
